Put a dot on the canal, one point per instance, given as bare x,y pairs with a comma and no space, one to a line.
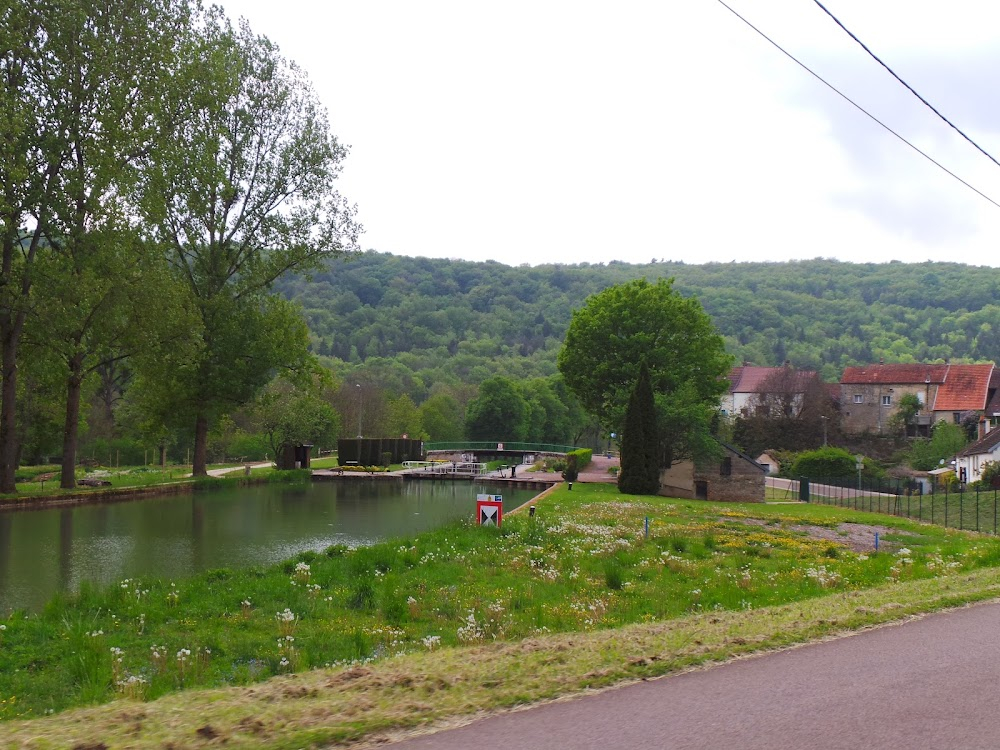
46,551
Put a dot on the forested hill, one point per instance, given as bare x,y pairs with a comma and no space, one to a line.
461,321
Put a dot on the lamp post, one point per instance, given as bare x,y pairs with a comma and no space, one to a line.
360,408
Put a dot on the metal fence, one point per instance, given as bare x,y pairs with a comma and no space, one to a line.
501,446
968,508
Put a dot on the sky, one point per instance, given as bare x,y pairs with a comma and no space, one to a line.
583,132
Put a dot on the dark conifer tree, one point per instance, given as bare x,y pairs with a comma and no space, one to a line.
640,472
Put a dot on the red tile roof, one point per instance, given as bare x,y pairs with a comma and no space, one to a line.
965,388
895,374
750,379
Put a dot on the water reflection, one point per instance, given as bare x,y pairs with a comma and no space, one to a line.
42,552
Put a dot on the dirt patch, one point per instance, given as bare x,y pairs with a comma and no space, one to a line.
859,537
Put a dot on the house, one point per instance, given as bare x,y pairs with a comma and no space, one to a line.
870,394
970,461
735,477
750,385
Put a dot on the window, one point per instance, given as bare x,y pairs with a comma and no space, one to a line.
858,398
887,400
726,467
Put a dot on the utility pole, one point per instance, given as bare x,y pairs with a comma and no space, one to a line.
360,408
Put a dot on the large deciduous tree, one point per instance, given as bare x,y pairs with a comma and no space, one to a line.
246,194
624,325
81,82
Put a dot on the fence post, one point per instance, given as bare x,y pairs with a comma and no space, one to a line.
803,489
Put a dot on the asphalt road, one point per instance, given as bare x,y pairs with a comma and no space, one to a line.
932,683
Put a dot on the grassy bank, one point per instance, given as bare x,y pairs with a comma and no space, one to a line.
465,619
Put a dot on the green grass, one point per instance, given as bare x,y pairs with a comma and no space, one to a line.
581,565
43,481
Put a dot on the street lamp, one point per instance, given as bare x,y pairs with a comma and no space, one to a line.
360,408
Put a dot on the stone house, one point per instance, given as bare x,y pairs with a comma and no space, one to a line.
735,477
870,394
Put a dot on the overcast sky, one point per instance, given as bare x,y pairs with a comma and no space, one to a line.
567,132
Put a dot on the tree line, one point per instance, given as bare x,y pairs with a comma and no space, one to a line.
461,321
160,168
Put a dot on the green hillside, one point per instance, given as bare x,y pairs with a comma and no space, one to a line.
455,322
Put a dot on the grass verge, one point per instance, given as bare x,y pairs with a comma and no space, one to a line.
464,620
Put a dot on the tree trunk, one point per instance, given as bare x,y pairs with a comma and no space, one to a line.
200,467
8,401
72,426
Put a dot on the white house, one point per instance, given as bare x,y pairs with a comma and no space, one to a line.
969,463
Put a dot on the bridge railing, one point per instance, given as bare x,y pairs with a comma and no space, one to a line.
471,447
446,467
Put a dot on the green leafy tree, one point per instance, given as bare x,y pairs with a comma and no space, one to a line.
82,80
403,417
906,413
638,321
290,413
640,459
946,440
247,194
499,413
442,418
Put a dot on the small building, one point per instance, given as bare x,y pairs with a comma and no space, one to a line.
769,462
294,456
735,477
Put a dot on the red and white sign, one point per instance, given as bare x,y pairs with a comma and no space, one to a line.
489,510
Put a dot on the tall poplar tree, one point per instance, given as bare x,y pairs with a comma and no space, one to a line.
246,194
82,80
640,443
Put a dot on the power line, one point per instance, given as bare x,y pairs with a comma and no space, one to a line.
908,86
846,98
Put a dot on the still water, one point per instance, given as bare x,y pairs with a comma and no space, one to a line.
46,551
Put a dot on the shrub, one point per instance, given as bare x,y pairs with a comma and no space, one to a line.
583,457
824,462
571,473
